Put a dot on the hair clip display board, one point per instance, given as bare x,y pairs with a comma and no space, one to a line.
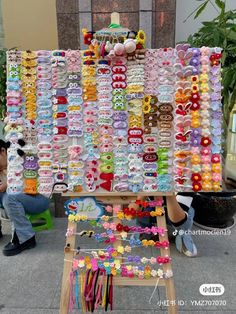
119,123
127,120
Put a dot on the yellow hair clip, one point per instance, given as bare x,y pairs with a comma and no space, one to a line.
28,54
204,78
29,63
141,37
31,98
195,123
135,89
204,88
28,70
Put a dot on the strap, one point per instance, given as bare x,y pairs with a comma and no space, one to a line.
107,294
76,290
99,291
72,300
111,293
94,290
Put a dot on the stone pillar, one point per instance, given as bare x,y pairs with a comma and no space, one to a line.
163,30
155,17
68,24
85,18
145,19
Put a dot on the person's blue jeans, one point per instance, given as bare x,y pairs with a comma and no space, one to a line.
17,205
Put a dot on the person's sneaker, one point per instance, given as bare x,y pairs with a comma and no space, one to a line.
14,247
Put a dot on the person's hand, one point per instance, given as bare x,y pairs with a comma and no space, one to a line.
3,187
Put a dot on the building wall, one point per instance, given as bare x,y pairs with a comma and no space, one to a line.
30,24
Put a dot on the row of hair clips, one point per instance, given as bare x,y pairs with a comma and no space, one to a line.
89,87
196,131
165,125
44,122
120,125
14,124
105,122
75,125
182,122
60,133
135,85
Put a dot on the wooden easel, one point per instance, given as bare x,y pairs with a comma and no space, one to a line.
118,199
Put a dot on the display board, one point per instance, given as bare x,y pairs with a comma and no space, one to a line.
130,120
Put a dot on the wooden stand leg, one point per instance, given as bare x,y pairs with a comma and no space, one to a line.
65,288
169,283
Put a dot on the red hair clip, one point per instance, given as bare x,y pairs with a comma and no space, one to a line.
60,100
60,130
121,84
119,69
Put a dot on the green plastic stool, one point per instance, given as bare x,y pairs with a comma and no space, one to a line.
36,218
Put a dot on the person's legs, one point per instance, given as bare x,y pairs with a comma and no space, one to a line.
1,196
176,214
17,206
182,222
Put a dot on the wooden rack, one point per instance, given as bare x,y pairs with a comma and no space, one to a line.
117,199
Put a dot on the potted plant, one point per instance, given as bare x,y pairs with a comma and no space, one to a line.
216,210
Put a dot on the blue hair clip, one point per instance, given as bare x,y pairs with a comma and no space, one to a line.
13,79
135,148
135,187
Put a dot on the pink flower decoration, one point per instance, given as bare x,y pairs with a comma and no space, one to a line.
205,151
206,167
205,68
205,96
106,225
109,209
75,264
116,209
69,232
113,226
216,177
205,51
205,105
206,159
112,238
215,158
195,150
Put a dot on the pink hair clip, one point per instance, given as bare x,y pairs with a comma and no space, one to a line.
70,232
46,180
106,129
61,138
44,53
204,59
205,51
74,151
45,172
206,167
109,209
44,146
44,155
